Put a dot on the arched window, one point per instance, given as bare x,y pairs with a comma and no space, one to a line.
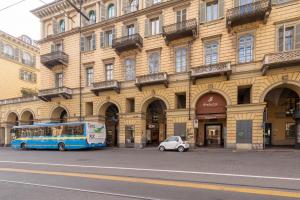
62,26
9,51
26,59
111,11
92,17
133,5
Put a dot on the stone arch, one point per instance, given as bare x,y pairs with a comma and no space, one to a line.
27,116
220,92
102,107
147,101
12,118
59,113
293,85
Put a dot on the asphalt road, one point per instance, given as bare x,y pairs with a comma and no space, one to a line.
115,174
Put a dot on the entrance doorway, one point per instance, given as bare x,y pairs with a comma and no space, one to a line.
213,135
112,124
156,123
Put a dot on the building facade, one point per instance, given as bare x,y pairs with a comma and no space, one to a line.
219,73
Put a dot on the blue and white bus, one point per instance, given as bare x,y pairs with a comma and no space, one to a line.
61,136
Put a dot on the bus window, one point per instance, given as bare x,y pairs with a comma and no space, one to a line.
57,131
73,130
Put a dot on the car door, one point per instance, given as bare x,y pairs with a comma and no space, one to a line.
172,143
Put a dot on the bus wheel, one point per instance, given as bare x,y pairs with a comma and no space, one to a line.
23,146
61,146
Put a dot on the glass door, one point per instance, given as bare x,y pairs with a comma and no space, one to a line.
213,135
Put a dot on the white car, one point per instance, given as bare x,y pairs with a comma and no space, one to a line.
174,143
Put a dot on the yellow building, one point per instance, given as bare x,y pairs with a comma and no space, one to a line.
219,73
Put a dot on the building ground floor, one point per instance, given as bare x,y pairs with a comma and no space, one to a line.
250,112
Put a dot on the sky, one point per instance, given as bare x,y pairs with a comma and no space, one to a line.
18,20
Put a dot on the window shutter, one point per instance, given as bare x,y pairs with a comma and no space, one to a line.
221,8
148,3
94,41
17,54
274,2
124,31
116,8
147,23
53,48
102,11
33,61
236,3
297,43
161,23
34,78
136,27
1,47
125,6
55,26
82,45
114,34
101,39
21,55
280,38
202,10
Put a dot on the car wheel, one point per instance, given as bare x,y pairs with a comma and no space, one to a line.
61,147
162,148
181,149
23,146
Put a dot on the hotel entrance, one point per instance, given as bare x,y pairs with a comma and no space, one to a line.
211,118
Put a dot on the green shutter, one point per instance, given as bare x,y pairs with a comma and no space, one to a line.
147,27
102,39
94,41
280,38
221,8
297,43
161,23
202,12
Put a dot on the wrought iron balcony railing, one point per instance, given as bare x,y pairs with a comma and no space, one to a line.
205,71
126,43
105,86
18,100
152,79
55,58
282,59
181,29
259,10
48,94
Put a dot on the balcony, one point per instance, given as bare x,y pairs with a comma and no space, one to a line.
18,100
105,86
126,43
55,58
48,94
282,59
213,70
152,79
179,30
259,10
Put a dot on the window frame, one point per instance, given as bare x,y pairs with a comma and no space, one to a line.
111,70
89,76
149,61
252,33
285,26
59,80
156,26
186,58
91,20
212,9
133,66
111,11
210,42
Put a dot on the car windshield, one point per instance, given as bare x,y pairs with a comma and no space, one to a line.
171,139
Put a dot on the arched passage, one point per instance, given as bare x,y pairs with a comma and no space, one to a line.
59,114
112,124
27,118
156,123
211,117
12,119
280,126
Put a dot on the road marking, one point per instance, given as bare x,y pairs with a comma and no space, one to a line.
79,190
157,170
182,184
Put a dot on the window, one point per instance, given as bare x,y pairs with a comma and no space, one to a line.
88,43
133,5
290,130
245,2
154,26
109,38
106,38
246,46
59,80
129,69
26,59
156,1
9,51
181,100
288,37
56,47
244,94
154,61
109,70
92,17
130,105
181,15
181,59
62,26
111,11
211,52
28,76
130,30
89,108
212,10
89,76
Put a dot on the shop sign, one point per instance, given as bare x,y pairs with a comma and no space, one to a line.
211,103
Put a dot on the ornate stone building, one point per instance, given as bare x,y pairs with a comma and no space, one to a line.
219,73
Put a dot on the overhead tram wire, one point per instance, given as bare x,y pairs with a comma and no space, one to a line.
14,4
